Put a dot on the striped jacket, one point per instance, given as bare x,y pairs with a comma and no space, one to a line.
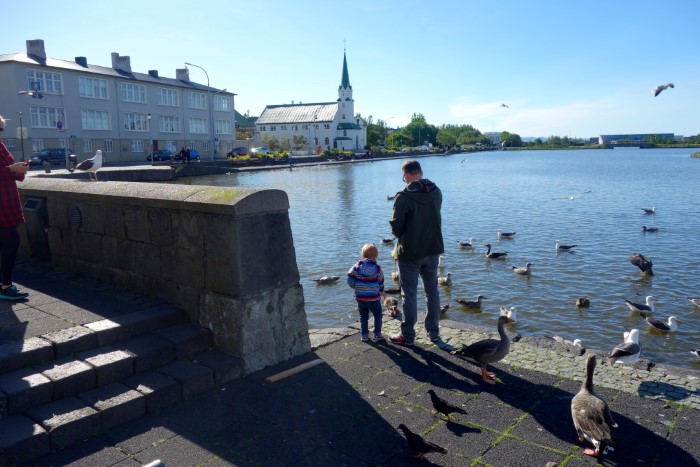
367,278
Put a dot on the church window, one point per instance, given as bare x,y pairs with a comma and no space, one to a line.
327,141
345,132
343,116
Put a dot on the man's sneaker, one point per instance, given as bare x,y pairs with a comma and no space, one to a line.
12,293
442,344
378,336
365,336
399,339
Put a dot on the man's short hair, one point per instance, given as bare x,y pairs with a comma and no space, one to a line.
411,167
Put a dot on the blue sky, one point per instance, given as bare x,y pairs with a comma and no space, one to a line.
563,68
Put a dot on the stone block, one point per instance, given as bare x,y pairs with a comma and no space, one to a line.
87,247
114,223
107,331
21,441
148,264
110,364
72,340
23,353
25,389
149,351
160,390
160,227
143,321
94,218
194,378
119,254
68,377
67,421
116,403
226,367
188,338
136,224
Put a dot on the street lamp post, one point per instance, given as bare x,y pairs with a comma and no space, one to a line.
150,136
211,105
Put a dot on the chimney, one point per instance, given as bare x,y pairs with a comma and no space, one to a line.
82,61
36,47
122,63
183,74
153,73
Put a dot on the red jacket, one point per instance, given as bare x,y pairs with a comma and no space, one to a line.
11,214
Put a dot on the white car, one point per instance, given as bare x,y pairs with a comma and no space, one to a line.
260,150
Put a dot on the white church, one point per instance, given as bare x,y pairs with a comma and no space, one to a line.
326,125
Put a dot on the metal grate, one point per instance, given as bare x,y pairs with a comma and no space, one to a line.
75,217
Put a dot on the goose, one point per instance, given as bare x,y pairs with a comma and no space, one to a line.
649,229
526,271
468,244
505,234
643,263
591,415
441,261
488,350
641,307
670,325
694,301
661,87
583,302
651,210
509,312
418,445
627,352
445,280
92,165
494,255
471,303
325,280
559,247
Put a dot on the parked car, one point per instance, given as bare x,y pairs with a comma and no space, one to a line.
242,151
162,155
260,150
194,156
50,155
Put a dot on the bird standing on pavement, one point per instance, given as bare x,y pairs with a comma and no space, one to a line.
91,165
418,445
443,407
627,352
488,350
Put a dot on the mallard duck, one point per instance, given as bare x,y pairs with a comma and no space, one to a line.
418,445
488,350
471,303
640,307
445,280
494,255
592,417
644,264
325,280
505,234
670,325
559,247
526,271
583,302
649,229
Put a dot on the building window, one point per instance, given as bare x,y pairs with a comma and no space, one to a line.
169,124
133,93
273,128
37,145
345,132
168,97
87,145
45,117
109,145
343,116
95,120
94,88
137,145
198,126
135,122
196,100
44,81
205,145
10,143
327,141
222,127
222,103
62,143
193,145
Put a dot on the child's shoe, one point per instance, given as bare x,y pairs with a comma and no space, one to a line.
365,336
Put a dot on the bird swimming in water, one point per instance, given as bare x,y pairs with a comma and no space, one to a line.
418,445
649,229
583,302
444,308
574,196
441,261
670,325
325,280
390,197
644,264
441,406
445,280
647,307
91,165
387,240
392,305
591,415
494,255
476,304
694,301
696,352
526,271
509,312
501,234
558,247
488,350
650,211
627,352
468,244
661,87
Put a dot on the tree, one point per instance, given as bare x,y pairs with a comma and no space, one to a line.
510,139
299,142
376,132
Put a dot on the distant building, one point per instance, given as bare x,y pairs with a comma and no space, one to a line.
494,136
633,138
326,125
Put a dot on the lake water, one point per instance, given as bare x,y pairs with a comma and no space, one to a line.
334,209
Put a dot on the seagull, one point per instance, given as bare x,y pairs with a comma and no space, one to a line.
696,352
649,229
441,261
468,244
324,280
583,302
523,271
445,280
662,87
644,264
651,210
694,301
509,312
628,351
559,247
418,445
91,165
494,255
574,196
443,407
640,307
444,308
561,340
471,303
390,197
504,234
504,105
670,325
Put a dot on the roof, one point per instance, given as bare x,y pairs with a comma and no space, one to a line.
242,121
106,71
298,113
345,80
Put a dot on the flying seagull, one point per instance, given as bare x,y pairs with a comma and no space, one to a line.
504,105
91,165
662,87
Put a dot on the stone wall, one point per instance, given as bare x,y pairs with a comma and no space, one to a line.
225,255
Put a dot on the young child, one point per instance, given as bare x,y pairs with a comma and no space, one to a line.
367,278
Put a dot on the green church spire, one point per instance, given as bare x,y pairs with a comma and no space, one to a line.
345,83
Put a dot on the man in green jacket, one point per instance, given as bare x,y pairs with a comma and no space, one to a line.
416,223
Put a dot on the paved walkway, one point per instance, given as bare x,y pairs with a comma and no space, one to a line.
345,411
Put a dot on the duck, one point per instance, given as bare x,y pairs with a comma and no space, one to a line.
696,352
469,244
583,302
441,261
643,263
694,301
488,350
526,271
444,308
628,351
651,210
670,325
396,276
649,229
509,312
445,280
641,307
558,247
494,255
591,414
471,303
505,234
325,280
418,445
387,240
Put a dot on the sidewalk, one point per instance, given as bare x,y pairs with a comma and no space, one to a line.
345,410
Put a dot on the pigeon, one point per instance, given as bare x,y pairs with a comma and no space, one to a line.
444,407
324,280
662,87
418,445
644,264
91,165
